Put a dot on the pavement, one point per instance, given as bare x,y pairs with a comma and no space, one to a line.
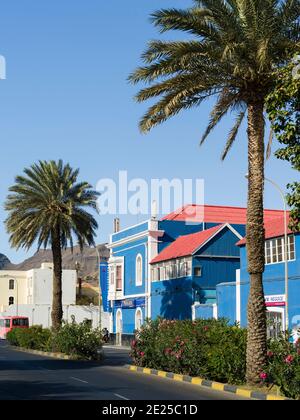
26,376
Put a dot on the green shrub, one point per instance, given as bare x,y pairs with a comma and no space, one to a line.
77,340
283,368
35,338
210,349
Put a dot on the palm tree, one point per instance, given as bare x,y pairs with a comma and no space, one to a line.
48,207
235,47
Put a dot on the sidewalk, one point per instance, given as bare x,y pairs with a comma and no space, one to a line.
111,347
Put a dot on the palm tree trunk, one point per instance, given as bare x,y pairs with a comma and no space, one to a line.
57,309
257,328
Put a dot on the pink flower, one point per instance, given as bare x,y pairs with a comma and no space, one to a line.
134,343
270,354
289,359
142,354
263,376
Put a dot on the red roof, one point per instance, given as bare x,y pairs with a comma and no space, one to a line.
215,214
186,245
274,229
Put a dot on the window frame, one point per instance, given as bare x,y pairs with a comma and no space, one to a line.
139,270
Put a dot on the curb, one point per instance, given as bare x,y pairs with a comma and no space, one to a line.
216,386
59,356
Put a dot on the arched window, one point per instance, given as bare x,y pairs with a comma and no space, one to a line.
11,301
139,271
11,285
138,319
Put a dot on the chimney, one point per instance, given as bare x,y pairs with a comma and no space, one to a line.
116,225
154,210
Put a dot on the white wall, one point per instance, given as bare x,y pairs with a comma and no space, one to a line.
35,287
41,314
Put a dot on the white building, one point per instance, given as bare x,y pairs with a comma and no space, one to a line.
29,294
34,287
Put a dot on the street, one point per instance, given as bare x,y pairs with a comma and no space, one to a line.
29,377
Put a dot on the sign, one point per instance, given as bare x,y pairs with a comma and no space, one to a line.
128,304
275,300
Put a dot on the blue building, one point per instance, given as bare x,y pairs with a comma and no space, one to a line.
232,299
171,267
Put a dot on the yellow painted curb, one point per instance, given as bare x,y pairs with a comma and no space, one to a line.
275,398
197,381
162,374
178,378
243,393
217,386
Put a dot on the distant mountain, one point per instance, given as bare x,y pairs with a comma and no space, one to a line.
4,261
87,259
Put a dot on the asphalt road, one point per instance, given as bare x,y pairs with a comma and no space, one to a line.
29,377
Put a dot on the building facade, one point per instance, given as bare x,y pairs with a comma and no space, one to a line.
232,299
171,266
34,287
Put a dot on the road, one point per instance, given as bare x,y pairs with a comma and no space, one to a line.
29,377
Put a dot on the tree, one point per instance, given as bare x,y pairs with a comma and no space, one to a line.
235,46
283,107
48,206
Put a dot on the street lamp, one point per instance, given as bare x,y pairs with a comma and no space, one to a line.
286,257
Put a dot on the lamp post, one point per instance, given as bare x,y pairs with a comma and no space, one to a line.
286,257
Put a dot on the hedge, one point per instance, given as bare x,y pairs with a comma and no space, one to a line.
77,340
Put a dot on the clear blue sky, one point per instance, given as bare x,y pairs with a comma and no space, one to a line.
66,96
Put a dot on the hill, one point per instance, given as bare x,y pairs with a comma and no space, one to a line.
87,259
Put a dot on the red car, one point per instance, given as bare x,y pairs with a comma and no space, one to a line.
8,323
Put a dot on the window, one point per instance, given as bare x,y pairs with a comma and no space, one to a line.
20,322
119,278
291,242
185,269
198,271
139,271
4,323
162,275
173,271
112,276
138,319
275,323
275,250
11,301
11,285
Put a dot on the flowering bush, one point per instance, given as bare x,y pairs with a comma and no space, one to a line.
210,349
284,366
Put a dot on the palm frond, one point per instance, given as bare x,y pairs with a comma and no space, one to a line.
233,133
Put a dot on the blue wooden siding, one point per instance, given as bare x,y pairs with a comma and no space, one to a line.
224,243
172,299
175,229
215,271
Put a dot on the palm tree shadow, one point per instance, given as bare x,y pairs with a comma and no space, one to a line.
178,298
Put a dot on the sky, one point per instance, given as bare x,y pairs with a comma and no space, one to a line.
66,96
